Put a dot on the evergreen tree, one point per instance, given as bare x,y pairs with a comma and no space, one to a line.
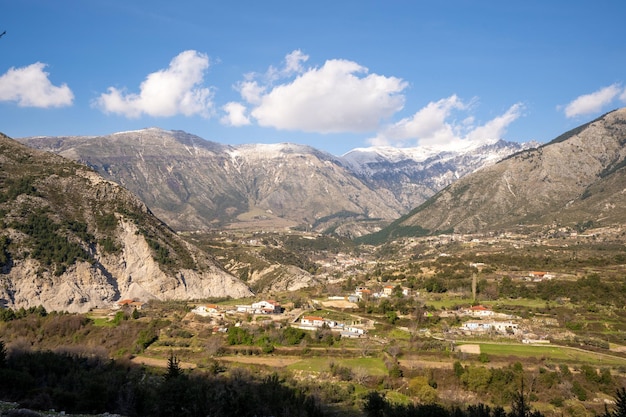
520,408
173,367
3,354
620,405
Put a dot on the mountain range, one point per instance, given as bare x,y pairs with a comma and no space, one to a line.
576,181
72,239
194,184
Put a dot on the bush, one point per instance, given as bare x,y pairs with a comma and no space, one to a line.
579,391
239,336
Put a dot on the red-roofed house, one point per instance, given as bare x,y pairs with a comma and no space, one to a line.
312,321
128,303
480,311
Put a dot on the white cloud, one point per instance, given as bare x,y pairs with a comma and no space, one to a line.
168,92
251,91
432,126
496,128
427,125
292,65
593,102
235,115
333,98
293,62
623,96
30,87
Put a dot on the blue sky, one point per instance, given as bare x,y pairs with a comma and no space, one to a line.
332,74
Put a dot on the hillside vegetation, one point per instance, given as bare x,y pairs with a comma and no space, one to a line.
70,240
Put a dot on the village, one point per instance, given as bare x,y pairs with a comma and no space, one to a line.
475,321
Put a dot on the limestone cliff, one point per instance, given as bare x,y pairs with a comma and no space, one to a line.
71,240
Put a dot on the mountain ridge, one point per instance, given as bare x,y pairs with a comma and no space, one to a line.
578,178
195,184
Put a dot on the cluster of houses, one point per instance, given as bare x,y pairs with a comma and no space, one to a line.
316,322
272,307
537,276
363,293
503,326
260,307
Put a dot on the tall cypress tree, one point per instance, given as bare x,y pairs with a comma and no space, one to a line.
173,367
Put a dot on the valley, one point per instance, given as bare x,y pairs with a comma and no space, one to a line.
455,319
315,281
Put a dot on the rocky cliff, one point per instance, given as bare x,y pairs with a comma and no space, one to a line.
71,240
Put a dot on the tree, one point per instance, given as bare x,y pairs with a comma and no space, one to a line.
3,354
620,405
392,317
375,404
458,369
476,378
173,367
520,408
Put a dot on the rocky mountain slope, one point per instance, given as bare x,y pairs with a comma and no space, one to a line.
413,175
71,240
194,184
577,180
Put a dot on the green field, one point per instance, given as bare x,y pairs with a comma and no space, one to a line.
557,353
373,366
103,321
449,303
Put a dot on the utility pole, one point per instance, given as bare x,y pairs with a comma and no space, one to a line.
474,287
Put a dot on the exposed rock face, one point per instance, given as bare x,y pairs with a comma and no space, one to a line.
71,240
282,278
578,178
194,184
413,175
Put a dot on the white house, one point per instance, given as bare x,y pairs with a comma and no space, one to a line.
205,310
388,290
497,326
479,311
314,321
243,308
363,293
356,330
267,307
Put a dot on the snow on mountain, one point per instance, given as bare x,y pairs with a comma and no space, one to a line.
190,182
372,160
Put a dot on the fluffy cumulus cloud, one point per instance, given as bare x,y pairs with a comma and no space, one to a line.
436,125
235,115
496,127
340,96
594,102
175,90
30,87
